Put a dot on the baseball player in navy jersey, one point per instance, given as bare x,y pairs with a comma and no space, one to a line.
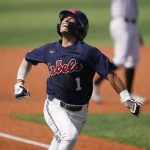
125,35
72,64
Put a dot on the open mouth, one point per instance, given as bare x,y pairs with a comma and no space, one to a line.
65,25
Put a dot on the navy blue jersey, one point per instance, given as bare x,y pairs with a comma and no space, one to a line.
71,69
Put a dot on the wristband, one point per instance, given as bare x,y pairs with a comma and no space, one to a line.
18,84
124,95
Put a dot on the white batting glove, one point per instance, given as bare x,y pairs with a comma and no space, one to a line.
133,106
20,91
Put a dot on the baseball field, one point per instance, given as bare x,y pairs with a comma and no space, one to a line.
29,24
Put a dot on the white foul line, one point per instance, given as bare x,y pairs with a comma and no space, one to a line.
12,137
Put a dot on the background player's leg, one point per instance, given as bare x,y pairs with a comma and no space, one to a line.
132,60
129,76
120,37
95,94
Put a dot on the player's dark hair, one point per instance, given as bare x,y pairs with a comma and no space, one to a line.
77,29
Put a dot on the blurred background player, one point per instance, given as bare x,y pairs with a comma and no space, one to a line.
127,40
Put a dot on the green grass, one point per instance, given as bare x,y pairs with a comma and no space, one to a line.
123,128
31,23
38,118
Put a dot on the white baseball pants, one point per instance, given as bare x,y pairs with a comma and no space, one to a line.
126,43
66,125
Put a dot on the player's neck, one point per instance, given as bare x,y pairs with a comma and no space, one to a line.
68,41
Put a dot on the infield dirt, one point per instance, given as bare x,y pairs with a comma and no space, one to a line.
9,62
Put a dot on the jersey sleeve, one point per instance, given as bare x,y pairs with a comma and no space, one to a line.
37,55
99,62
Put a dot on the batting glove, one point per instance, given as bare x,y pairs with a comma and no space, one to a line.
20,91
133,106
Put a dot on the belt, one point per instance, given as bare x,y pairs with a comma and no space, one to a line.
130,21
65,105
70,107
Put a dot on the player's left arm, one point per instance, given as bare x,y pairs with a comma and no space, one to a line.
20,91
120,88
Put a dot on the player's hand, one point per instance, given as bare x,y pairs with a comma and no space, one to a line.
133,106
20,91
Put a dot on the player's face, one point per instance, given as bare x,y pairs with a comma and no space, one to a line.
65,22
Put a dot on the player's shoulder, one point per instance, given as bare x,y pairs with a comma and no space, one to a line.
87,46
90,49
47,46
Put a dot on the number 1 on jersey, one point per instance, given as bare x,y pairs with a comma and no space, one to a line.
78,84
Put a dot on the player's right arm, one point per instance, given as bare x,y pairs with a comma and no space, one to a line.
20,91
33,57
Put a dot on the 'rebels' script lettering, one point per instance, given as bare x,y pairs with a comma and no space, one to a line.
72,66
